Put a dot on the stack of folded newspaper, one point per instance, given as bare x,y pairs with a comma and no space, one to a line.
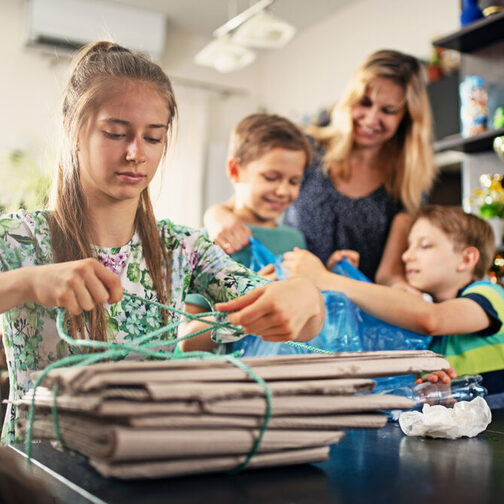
168,418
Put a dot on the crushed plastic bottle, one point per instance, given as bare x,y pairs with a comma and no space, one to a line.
463,388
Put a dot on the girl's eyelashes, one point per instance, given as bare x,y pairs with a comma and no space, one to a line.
118,136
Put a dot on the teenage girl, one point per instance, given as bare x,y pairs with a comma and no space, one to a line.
101,239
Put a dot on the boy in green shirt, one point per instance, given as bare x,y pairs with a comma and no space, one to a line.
266,161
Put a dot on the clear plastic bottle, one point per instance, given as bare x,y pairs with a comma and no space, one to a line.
463,388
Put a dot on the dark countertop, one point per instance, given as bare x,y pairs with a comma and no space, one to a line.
366,466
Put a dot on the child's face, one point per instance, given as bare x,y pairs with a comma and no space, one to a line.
267,186
122,143
431,261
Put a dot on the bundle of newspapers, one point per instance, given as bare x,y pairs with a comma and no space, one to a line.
156,419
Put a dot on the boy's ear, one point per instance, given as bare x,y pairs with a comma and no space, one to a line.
232,169
469,259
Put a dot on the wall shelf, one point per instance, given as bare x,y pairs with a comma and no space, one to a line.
477,35
476,143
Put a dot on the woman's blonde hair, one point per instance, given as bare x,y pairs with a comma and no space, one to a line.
97,68
408,155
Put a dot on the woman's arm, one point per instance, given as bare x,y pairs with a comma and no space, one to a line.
403,309
75,285
225,229
391,269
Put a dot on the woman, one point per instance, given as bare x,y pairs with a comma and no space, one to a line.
372,165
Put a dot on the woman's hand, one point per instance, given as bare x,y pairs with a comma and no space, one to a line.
303,263
352,256
280,311
226,230
75,285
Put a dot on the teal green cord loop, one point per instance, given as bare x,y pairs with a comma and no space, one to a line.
304,346
143,345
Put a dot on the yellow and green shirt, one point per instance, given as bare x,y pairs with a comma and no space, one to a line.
481,352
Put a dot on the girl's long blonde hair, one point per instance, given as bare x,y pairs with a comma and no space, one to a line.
408,155
95,68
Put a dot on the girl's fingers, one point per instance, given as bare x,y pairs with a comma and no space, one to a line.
266,326
261,309
111,283
84,297
70,303
240,302
97,290
277,333
277,338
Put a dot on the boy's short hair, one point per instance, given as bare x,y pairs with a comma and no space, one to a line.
464,230
257,134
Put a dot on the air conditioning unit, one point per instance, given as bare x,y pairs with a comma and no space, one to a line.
70,24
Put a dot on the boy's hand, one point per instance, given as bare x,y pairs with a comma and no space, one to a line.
444,376
229,232
303,263
280,311
76,286
352,256
268,272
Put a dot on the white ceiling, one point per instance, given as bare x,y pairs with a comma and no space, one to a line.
204,16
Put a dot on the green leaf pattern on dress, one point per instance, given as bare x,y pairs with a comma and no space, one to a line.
30,336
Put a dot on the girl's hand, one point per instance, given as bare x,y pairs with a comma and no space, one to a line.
280,311
229,232
303,263
444,376
268,272
352,256
75,285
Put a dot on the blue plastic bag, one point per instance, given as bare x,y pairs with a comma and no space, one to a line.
261,256
346,328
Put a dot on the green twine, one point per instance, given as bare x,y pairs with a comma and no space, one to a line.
304,346
142,346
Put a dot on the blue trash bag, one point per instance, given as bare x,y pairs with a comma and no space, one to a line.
261,256
375,334
346,328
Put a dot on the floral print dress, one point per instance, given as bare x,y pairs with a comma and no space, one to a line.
30,336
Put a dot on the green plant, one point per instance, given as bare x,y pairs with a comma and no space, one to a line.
488,199
24,183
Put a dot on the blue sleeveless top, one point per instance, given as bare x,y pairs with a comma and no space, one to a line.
331,221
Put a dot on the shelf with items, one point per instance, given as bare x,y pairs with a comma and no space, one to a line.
475,143
477,35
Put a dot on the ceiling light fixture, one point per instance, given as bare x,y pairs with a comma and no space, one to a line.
264,31
251,28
